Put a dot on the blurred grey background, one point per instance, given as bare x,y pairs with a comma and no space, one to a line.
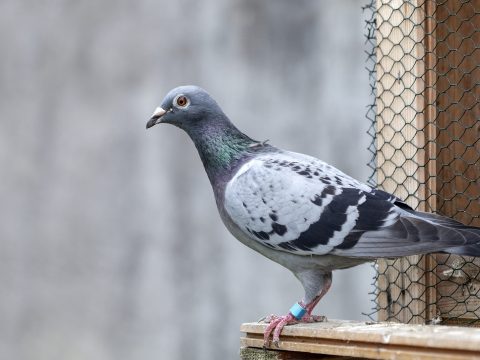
110,242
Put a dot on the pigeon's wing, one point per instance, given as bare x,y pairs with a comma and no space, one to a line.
299,204
296,203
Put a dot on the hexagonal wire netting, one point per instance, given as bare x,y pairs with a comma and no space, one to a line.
424,67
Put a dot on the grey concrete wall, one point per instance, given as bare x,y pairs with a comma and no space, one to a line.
110,244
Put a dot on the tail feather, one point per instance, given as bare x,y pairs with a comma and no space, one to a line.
415,233
466,250
453,233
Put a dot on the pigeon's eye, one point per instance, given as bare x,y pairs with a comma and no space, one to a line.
181,101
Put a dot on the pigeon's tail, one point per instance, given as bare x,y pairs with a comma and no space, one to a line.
466,250
465,240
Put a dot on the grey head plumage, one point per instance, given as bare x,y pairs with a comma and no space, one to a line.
185,107
222,147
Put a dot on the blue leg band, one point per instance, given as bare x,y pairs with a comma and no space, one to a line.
297,311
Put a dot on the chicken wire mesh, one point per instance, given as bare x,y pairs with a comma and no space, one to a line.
424,67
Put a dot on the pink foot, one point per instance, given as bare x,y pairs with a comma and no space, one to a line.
276,324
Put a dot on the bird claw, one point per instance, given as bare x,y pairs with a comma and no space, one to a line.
275,325
269,318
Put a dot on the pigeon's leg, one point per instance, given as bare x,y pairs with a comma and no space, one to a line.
316,285
308,317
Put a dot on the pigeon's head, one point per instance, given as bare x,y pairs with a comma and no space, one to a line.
186,107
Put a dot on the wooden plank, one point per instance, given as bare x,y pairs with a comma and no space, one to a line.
372,340
400,90
405,148
457,55
458,104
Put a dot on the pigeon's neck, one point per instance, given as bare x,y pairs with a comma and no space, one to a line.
222,147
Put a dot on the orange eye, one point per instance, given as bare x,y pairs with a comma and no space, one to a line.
182,101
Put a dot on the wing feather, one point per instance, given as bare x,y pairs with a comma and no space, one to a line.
299,204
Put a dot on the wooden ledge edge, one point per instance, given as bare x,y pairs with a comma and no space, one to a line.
419,339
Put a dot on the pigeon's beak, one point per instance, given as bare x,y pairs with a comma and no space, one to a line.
156,117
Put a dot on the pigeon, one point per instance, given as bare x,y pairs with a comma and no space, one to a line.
299,211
